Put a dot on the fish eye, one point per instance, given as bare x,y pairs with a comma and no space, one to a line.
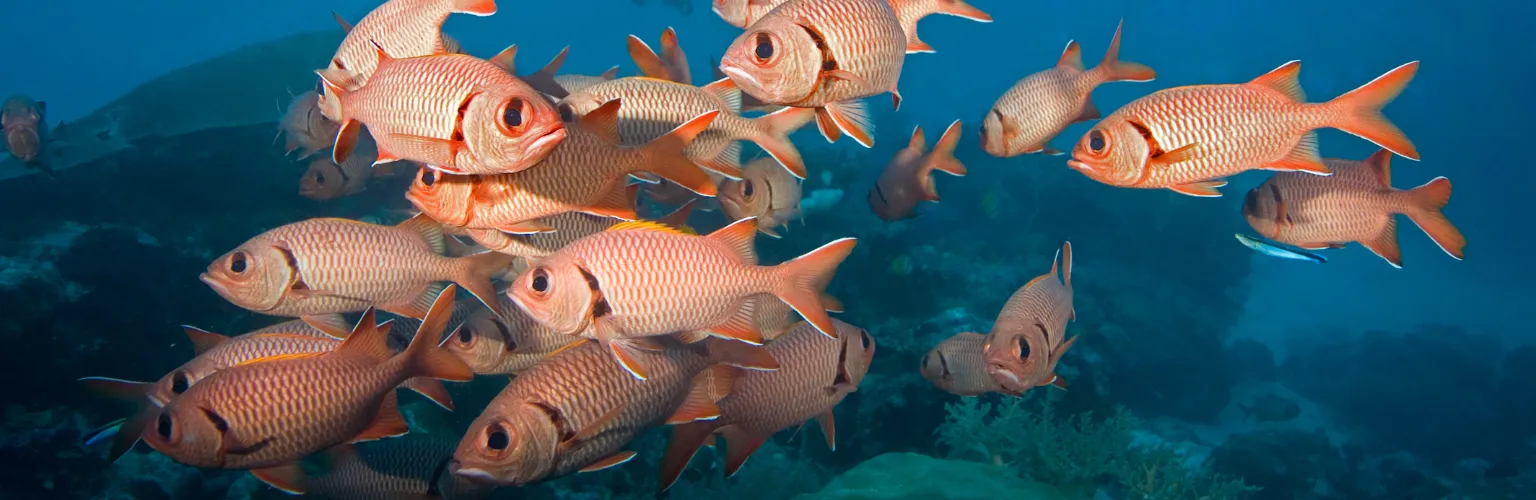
179,383
764,48
428,177
466,336
319,86
1096,141
567,113
497,439
746,187
864,340
163,426
540,281
513,116
1023,349
237,262
319,178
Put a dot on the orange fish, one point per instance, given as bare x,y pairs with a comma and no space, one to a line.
742,13
410,467
586,173
908,179
321,266
568,227
1029,336
671,64
491,345
453,112
652,107
313,334
22,121
765,191
307,130
451,45
325,180
955,366
267,414
1188,138
398,28
577,410
817,372
642,279
1355,204
823,54
1038,107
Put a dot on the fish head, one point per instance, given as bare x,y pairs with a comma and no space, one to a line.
749,197
735,12
777,61
481,341
1262,209
177,382
189,431
1112,152
512,127
509,448
442,196
995,134
255,275
23,142
322,181
935,368
558,292
326,101
1016,359
858,353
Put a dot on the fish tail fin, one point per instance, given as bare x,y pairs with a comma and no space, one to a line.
431,389
646,59
804,279
475,7
942,158
681,447
423,357
1360,112
474,274
1116,70
774,139
1426,201
666,157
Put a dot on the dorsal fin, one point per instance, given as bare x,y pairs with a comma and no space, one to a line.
726,90
554,64
202,340
610,74
367,339
1283,80
346,27
604,121
646,59
644,225
506,59
1071,57
1380,164
333,325
739,236
429,229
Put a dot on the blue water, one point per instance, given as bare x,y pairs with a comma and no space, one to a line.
1468,111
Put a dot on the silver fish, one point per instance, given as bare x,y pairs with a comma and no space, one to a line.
1272,250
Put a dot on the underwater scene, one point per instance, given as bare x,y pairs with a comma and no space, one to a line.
767,249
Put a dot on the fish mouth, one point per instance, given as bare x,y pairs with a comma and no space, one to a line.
1078,166
546,143
994,370
212,283
475,474
740,75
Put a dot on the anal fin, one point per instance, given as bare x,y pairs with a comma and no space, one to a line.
286,477
1303,158
615,460
1203,189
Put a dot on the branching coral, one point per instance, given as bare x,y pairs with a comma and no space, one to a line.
1077,452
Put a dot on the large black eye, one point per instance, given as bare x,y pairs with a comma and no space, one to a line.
513,117
540,282
1096,141
319,86
319,178
764,49
1023,348
428,176
163,426
567,113
746,187
237,262
466,336
179,383
497,439
864,340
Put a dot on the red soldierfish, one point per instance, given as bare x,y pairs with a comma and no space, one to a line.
642,279
956,366
1038,107
908,179
823,54
307,131
1188,138
577,410
452,112
230,421
742,13
1028,337
765,191
817,372
491,345
402,28
321,266
22,121
1355,204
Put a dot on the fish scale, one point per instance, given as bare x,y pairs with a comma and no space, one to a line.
584,384
637,273
420,96
1053,89
401,28
957,366
1351,205
1029,336
653,107
864,38
765,402
487,354
1235,127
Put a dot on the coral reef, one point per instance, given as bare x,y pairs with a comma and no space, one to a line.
909,475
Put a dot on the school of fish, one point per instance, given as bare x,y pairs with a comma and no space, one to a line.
610,324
